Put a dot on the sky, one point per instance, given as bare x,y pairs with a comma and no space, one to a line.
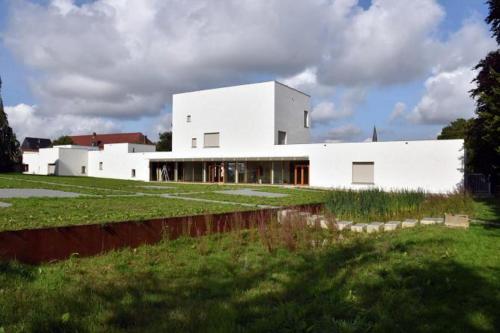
77,67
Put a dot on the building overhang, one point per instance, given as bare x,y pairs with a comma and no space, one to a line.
229,159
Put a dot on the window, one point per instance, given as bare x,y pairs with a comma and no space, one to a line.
306,119
133,150
133,173
193,143
363,172
211,140
188,118
281,137
100,165
26,168
84,169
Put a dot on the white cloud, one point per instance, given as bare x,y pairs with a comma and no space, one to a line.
398,112
446,98
26,120
348,132
123,60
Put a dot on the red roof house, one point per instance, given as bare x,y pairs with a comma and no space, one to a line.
101,139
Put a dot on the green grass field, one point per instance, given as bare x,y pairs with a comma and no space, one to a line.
428,279
112,200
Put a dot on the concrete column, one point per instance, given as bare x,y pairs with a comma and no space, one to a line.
204,172
272,172
236,173
246,172
176,172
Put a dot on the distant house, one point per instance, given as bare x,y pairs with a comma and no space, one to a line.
99,140
34,144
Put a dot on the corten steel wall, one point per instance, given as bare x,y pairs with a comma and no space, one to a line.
36,246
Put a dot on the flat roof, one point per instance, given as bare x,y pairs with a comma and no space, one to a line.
243,84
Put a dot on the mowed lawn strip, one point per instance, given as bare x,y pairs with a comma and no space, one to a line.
294,197
427,279
7,183
50,212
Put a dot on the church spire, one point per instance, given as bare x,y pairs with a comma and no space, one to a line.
374,136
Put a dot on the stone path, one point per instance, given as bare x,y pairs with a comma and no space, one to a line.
253,193
5,204
35,192
373,227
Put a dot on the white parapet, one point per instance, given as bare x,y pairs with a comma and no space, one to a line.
343,225
374,227
431,220
392,225
358,227
409,223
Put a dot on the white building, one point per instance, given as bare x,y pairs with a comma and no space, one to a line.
259,133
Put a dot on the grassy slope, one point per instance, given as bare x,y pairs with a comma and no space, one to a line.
429,279
43,212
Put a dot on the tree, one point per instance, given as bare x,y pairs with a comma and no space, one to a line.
10,154
457,129
483,138
165,142
62,140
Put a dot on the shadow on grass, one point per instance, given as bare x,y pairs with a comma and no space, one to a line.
354,288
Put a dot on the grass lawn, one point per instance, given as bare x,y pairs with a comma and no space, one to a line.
112,200
429,279
294,196
44,212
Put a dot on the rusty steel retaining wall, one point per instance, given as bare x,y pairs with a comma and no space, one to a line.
36,246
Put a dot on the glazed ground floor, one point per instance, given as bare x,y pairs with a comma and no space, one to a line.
294,172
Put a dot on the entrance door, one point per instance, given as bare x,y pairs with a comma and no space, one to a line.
301,174
216,172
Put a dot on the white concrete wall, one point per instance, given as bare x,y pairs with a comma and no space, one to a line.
290,105
243,115
71,161
434,165
118,160
38,161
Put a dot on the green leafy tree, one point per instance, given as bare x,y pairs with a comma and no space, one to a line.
483,138
457,129
10,154
165,142
62,140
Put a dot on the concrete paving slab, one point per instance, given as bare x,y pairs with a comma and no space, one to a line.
392,225
374,227
343,225
456,221
253,193
35,192
431,220
409,223
358,227
5,204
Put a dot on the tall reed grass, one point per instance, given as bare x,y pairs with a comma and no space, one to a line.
378,205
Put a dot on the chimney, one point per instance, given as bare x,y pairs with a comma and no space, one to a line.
94,139
145,139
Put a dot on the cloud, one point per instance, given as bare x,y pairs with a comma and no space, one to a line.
446,98
348,132
124,60
398,112
26,120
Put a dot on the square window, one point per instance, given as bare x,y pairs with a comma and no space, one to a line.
193,143
211,140
188,118
84,169
363,172
100,165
